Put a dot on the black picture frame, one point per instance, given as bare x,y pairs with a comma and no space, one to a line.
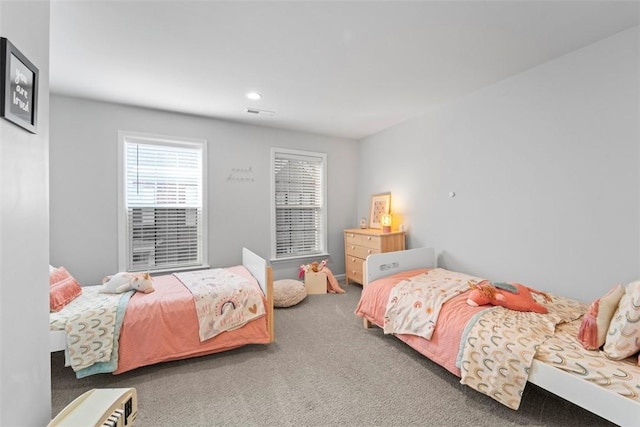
18,87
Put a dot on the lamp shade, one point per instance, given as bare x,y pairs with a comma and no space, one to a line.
386,220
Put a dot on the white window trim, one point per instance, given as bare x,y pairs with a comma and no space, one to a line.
323,217
122,211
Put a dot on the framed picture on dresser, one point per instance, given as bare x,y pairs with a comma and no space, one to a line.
380,205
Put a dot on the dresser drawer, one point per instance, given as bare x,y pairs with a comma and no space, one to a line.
361,251
353,239
354,268
363,240
371,241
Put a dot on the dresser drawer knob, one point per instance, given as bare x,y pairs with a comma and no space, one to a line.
353,260
353,247
369,251
369,238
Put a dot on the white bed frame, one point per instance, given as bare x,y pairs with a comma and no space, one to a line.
609,405
256,265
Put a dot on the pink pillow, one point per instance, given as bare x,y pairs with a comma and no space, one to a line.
623,337
595,323
63,289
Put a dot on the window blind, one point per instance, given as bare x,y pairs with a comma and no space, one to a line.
164,194
299,204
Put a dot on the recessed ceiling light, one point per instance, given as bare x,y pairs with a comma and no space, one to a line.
254,95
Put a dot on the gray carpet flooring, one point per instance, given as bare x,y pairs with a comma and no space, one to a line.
324,369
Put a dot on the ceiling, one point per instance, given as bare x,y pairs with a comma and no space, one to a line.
340,68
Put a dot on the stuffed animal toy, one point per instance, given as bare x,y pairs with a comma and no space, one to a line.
122,282
333,287
513,296
315,266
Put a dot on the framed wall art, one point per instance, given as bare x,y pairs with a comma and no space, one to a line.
380,205
18,87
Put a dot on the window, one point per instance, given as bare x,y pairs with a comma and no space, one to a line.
162,203
299,203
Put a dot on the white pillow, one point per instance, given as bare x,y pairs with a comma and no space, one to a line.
623,336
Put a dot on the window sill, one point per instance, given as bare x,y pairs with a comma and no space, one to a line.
173,270
322,255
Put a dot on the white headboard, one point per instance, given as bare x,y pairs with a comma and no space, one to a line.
257,266
388,263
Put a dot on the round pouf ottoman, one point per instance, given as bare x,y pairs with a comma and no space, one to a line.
288,292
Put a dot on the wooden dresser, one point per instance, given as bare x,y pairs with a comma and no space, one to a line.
362,242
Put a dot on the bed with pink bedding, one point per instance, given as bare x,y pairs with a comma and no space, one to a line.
443,346
164,325
478,344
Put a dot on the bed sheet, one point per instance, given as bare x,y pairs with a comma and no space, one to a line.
86,300
565,352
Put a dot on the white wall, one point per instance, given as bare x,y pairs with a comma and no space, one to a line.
83,161
25,380
545,170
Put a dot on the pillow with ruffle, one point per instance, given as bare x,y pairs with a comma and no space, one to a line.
63,289
623,337
595,323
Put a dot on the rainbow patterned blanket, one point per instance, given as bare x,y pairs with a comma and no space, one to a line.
414,304
224,301
498,347
92,326
564,351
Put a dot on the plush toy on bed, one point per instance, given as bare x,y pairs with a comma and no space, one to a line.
122,282
513,296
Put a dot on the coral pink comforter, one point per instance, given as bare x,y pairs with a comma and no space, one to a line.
163,326
444,344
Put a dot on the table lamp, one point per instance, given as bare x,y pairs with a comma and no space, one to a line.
386,221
